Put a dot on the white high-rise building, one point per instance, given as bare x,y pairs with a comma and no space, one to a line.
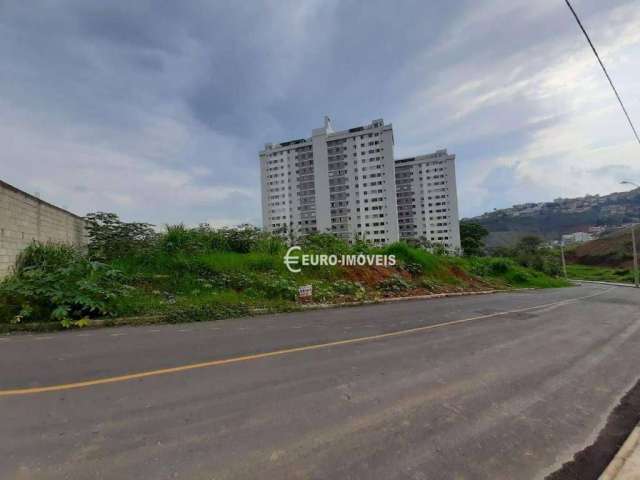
427,199
339,182
348,183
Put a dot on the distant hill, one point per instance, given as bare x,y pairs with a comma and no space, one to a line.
550,220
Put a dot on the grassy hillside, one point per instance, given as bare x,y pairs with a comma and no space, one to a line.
200,274
608,258
611,250
602,274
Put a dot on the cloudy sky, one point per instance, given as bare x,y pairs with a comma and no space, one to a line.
156,110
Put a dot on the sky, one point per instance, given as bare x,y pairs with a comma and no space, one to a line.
156,110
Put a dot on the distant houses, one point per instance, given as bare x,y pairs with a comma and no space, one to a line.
576,237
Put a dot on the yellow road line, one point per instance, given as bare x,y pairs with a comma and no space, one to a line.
257,356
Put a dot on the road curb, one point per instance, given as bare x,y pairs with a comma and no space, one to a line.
318,306
42,327
599,282
618,468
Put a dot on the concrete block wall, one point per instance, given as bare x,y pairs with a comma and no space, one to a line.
25,218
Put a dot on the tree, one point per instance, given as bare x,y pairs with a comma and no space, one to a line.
422,241
529,244
109,237
530,252
502,251
324,243
472,238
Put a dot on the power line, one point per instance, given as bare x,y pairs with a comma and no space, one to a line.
635,132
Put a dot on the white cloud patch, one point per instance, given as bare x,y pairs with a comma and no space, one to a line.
158,113
551,101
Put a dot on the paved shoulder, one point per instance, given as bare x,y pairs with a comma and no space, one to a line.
510,386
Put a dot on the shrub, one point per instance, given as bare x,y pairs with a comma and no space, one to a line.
530,252
360,246
110,238
519,278
552,266
416,255
323,292
237,262
263,262
279,288
270,244
179,238
242,239
45,256
345,287
394,284
325,243
491,267
239,280
414,269
213,239
499,266
429,284
203,239
44,291
260,285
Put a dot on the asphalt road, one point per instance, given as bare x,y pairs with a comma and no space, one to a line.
505,386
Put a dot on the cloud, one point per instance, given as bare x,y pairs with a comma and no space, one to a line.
157,110
540,118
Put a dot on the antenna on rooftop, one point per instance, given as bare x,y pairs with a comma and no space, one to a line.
327,124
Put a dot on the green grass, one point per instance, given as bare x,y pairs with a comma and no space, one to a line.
603,274
506,272
204,282
235,262
527,278
404,253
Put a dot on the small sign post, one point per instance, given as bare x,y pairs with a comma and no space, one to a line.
305,293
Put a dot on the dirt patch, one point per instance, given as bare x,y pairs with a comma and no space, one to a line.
371,275
451,279
592,461
471,282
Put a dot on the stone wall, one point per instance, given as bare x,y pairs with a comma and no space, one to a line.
25,218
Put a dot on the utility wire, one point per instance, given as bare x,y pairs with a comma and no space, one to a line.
635,132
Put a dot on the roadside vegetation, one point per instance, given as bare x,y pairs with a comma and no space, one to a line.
608,258
532,252
602,274
193,274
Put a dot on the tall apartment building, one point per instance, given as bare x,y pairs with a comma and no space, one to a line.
341,182
427,199
348,183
